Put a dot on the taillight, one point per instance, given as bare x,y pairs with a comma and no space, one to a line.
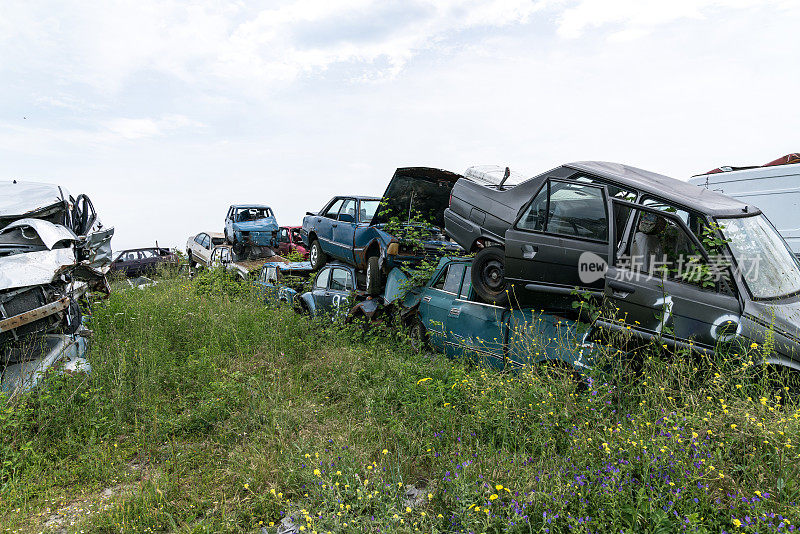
450,202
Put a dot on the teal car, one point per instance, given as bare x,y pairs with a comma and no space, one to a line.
451,319
282,282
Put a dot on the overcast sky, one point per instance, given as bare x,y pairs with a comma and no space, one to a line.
167,112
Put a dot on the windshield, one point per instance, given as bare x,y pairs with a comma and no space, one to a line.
368,209
252,214
767,265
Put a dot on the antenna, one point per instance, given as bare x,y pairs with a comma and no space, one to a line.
505,177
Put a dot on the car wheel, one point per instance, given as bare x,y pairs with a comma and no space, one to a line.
374,281
418,336
316,256
488,275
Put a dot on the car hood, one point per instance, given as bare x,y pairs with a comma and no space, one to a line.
260,225
20,198
419,190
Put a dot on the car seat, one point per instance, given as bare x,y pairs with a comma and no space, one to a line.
646,247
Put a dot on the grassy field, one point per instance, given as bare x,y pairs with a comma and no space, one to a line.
208,412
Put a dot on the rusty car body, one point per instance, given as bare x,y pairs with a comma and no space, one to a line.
353,229
250,228
200,246
139,261
290,239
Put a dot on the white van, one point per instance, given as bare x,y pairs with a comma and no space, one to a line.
774,188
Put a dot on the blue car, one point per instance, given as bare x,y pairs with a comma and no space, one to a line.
333,293
249,228
353,229
452,320
281,282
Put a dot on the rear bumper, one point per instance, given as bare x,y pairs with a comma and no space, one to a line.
461,230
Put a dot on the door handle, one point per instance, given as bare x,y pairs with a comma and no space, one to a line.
529,251
455,312
620,289
426,299
334,225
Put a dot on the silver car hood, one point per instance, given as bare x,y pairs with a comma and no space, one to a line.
20,198
50,234
34,268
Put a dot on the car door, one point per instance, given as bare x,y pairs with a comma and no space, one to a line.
229,222
344,230
284,245
324,226
663,283
565,220
474,329
340,289
436,304
319,291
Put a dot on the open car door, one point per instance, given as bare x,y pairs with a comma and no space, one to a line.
662,284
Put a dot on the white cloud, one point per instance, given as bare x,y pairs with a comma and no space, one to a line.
141,128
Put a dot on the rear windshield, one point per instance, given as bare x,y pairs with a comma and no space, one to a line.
217,240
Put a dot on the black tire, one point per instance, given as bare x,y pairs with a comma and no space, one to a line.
374,279
417,335
192,263
317,258
488,275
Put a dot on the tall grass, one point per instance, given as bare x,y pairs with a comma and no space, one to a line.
215,413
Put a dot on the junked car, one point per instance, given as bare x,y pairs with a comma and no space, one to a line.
290,240
223,257
199,247
333,291
280,281
683,265
53,249
448,316
250,228
356,229
139,261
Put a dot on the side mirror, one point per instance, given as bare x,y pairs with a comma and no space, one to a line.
310,213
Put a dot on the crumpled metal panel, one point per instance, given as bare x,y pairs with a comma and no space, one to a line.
19,198
34,268
50,234
98,249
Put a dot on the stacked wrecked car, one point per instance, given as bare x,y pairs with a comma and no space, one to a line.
53,251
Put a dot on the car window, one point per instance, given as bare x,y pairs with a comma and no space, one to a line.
453,281
199,239
693,220
341,280
131,256
322,279
347,213
270,274
569,209
439,284
147,254
367,210
284,235
466,285
333,211
297,237
661,248
217,241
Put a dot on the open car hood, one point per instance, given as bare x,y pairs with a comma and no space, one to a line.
417,190
18,199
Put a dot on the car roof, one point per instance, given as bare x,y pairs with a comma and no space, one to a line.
142,248
358,197
219,235
250,206
669,189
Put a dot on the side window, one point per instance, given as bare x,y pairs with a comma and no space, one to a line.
322,279
570,209
333,211
348,211
341,280
693,220
466,285
442,277
199,239
271,274
284,235
661,248
453,281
